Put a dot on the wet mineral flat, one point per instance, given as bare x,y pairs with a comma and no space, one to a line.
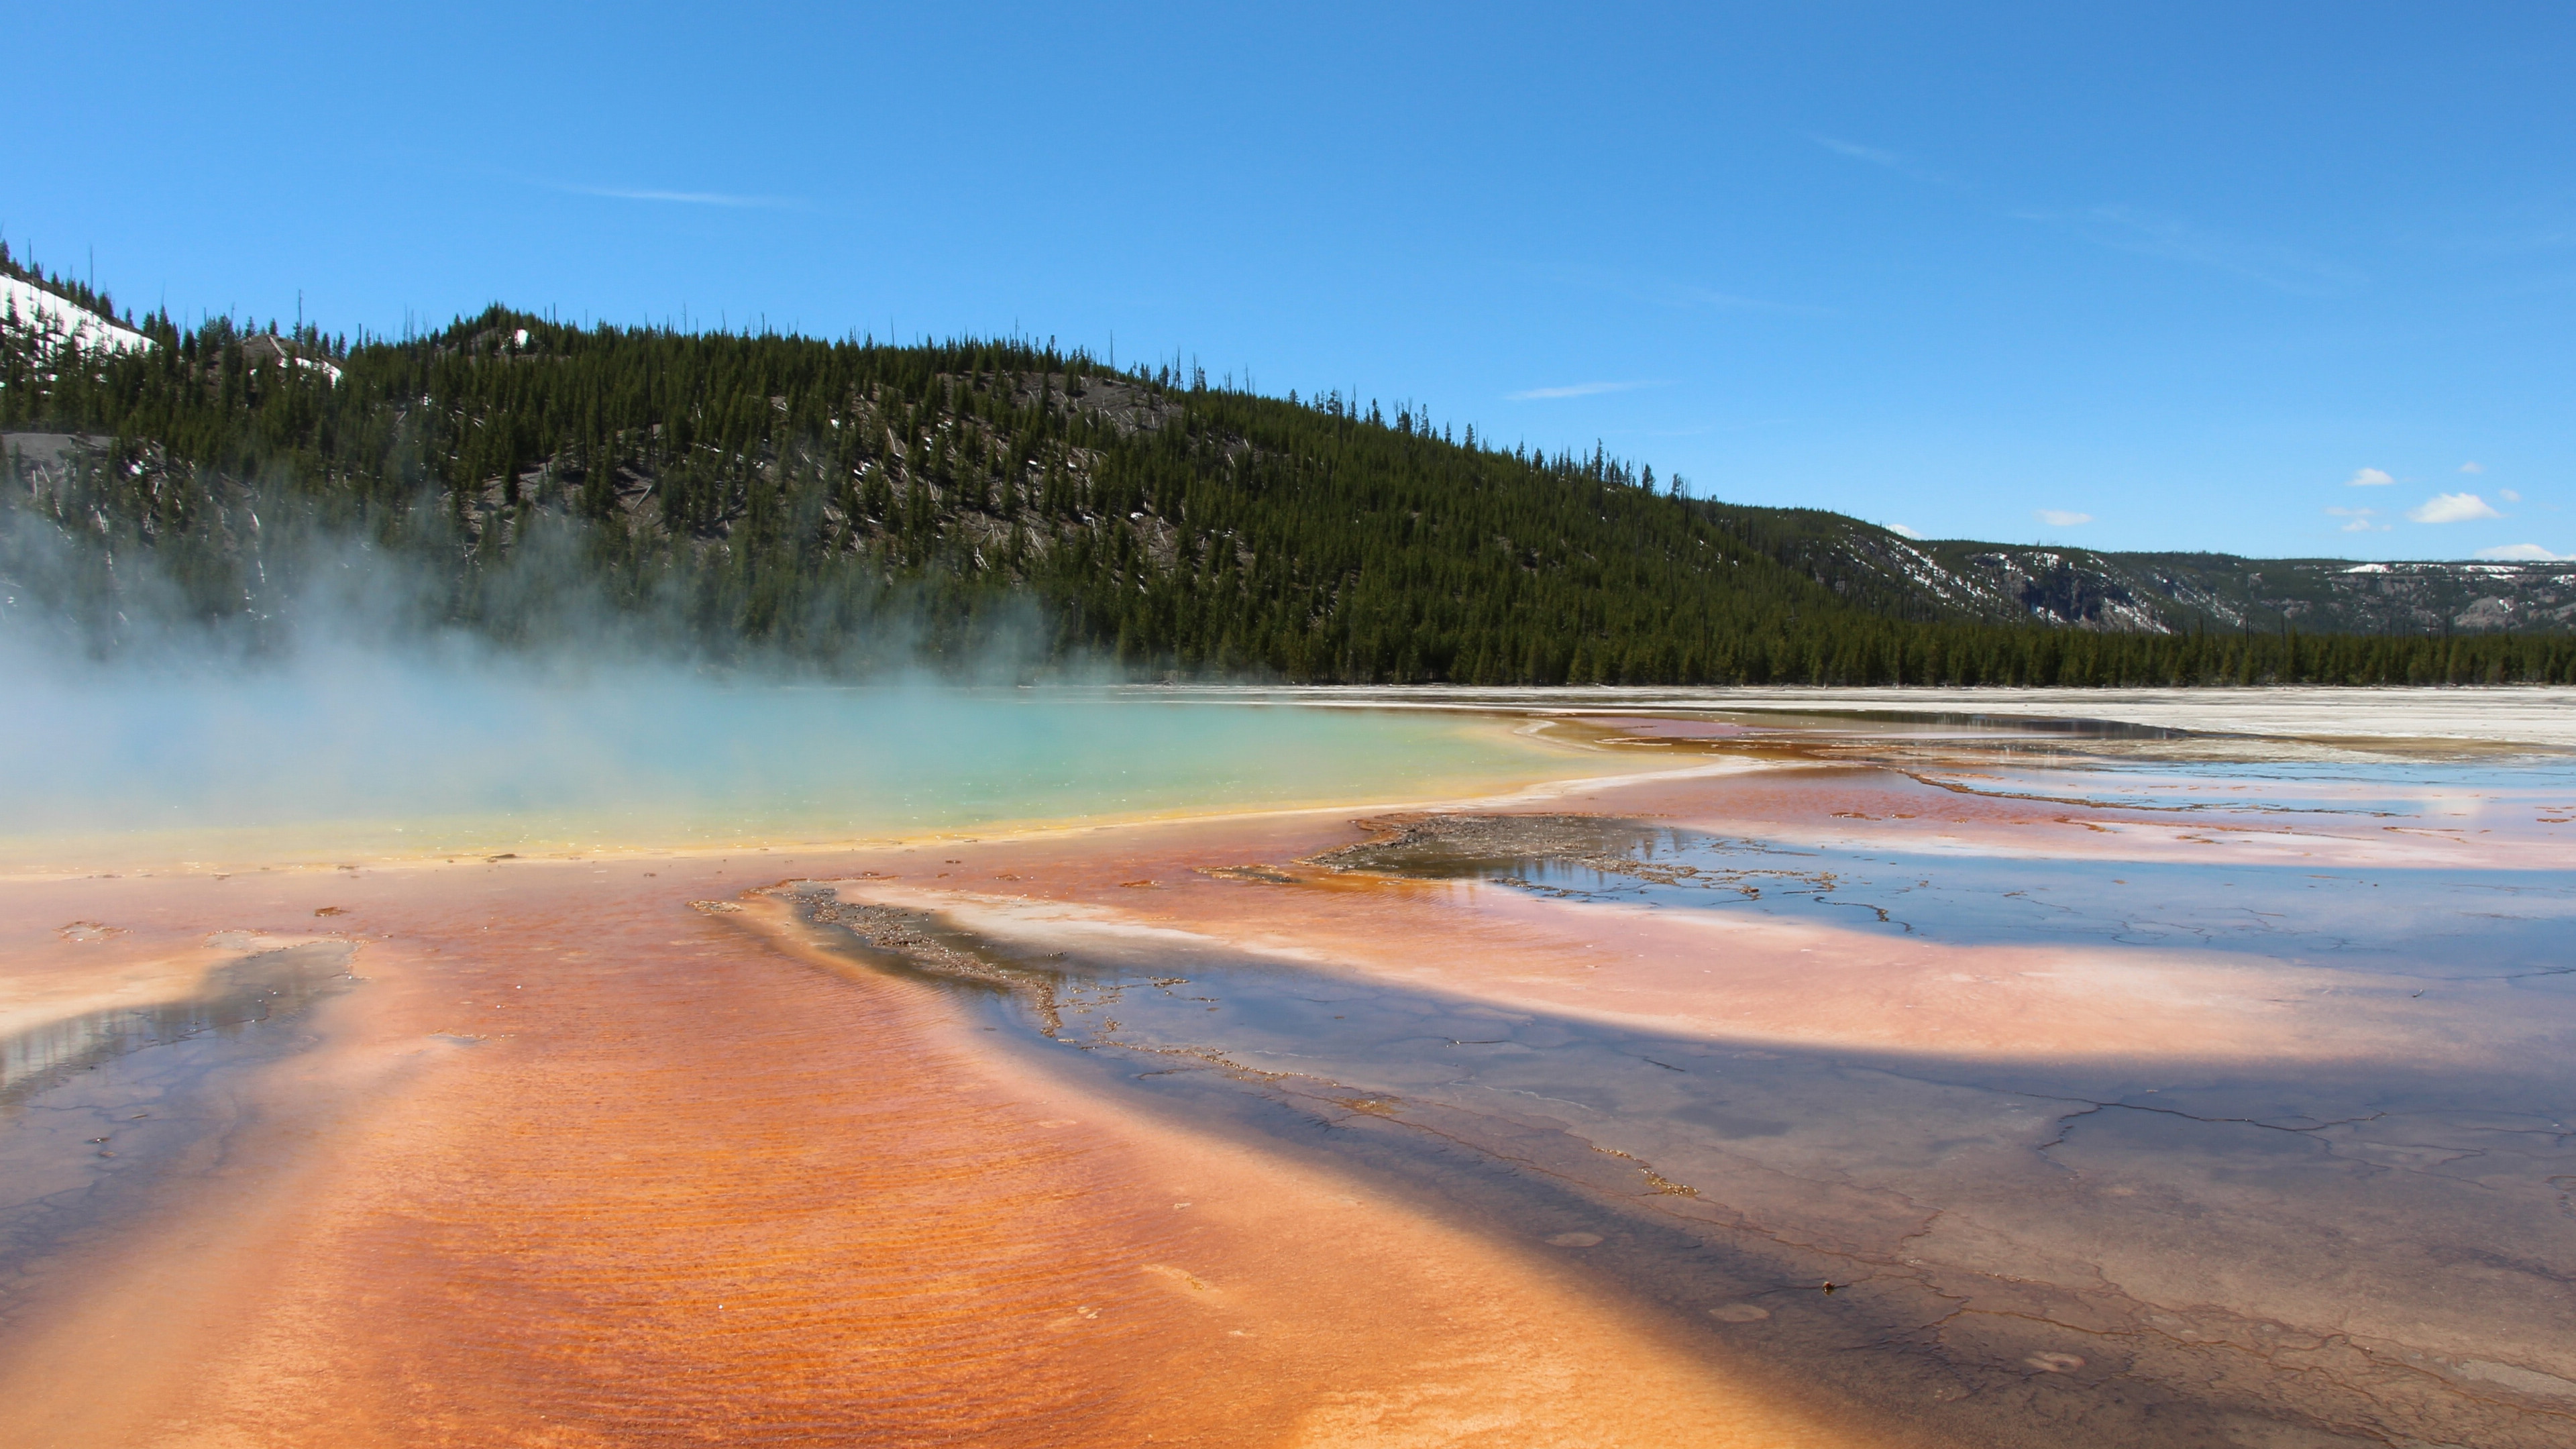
1761,1071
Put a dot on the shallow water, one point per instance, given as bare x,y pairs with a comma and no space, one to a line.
394,763
2454,793
1995,1235
2364,1237
101,1110
2438,924
268,986
2368,1246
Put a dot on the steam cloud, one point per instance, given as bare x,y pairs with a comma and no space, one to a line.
337,706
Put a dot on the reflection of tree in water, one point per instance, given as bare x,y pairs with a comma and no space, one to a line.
268,986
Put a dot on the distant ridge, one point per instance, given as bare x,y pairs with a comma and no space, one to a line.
2171,592
845,504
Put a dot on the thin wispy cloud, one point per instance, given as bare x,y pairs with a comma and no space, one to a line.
2145,233
1681,296
1880,156
2358,520
1701,430
2508,495
2473,467
2522,553
1737,302
2061,518
2141,231
2367,478
1871,154
2516,230
688,198
2451,508
1575,389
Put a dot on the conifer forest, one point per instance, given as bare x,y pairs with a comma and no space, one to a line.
843,505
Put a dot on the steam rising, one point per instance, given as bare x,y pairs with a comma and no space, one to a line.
347,750
336,712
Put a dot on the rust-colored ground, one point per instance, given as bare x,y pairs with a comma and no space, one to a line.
579,1165
582,1165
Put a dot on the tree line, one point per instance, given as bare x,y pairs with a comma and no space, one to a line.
836,500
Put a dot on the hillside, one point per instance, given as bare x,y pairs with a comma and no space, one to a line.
2165,592
843,504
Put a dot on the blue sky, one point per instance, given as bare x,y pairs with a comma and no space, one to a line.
2188,276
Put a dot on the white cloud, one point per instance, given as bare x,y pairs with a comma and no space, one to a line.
2473,467
2451,508
2508,495
2060,518
2360,519
2368,478
1578,389
2522,553
1905,530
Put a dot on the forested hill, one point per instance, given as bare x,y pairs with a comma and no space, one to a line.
835,502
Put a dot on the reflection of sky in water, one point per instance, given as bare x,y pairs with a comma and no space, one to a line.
259,988
2454,788
2447,923
2134,1236
95,1108
2147,1251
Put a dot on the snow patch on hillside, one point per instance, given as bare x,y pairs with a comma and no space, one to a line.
24,305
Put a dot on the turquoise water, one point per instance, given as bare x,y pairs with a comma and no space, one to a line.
387,761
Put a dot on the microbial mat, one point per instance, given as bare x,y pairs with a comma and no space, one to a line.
1721,1069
